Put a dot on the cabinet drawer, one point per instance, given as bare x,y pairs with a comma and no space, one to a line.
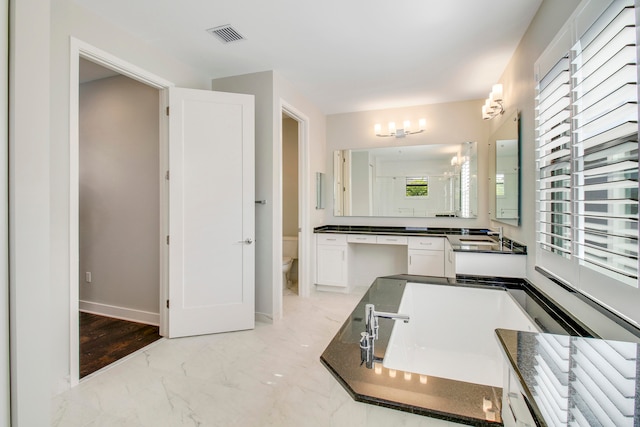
331,239
431,243
391,240
359,238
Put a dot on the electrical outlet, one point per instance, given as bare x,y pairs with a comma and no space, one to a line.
87,277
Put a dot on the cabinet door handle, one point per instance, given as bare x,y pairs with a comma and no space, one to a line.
409,259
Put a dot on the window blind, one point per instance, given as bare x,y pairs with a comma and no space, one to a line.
553,156
605,143
587,150
585,382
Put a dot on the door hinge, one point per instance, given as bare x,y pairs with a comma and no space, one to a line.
167,111
167,303
167,240
166,176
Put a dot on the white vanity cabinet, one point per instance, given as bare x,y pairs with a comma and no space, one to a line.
449,260
332,253
426,256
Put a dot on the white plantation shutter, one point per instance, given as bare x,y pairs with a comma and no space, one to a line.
553,132
587,156
605,132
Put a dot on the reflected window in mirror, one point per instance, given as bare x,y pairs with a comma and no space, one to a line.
417,187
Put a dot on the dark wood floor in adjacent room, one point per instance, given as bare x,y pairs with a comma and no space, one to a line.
104,340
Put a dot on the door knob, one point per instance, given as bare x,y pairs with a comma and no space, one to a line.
246,241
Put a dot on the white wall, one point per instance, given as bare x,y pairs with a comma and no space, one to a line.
447,123
119,198
32,333
4,226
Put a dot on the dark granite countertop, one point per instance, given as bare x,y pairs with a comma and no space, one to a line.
461,239
569,380
441,398
405,231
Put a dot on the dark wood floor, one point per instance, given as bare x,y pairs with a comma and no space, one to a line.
103,340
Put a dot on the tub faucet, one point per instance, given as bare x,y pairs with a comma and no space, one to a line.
367,338
496,233
371,319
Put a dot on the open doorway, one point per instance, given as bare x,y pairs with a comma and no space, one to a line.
290,204
119,216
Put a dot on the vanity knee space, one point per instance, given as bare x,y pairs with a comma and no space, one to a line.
342,258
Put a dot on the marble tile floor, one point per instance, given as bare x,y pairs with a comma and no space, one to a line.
269,376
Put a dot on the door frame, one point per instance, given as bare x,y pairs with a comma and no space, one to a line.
80,49
305,234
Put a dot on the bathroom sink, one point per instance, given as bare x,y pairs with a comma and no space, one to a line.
478,242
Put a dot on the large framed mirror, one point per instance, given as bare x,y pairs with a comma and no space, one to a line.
435,180
506,141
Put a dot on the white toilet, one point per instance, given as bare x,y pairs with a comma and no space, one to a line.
289,254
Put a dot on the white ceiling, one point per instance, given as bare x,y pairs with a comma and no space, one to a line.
344,56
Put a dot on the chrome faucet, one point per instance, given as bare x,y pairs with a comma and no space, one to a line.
497,233
371,319
367,338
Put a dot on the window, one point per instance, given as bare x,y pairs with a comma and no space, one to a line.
587,156
417,186
500,185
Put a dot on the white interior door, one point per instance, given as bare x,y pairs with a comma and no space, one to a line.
211,212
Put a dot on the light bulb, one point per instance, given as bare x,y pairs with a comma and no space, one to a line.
496,91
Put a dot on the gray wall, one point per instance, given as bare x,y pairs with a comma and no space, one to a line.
261,85
119,197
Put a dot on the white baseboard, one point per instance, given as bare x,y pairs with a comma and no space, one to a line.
264,318
62,385
123,313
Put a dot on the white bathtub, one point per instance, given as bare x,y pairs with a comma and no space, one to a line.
451,332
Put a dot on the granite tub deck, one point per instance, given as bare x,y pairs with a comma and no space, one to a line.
431,396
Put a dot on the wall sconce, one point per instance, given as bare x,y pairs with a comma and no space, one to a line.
493,105
400,133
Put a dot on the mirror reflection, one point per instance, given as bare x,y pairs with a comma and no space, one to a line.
507,189
435,180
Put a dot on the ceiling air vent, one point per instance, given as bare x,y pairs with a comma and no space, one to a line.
226,34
